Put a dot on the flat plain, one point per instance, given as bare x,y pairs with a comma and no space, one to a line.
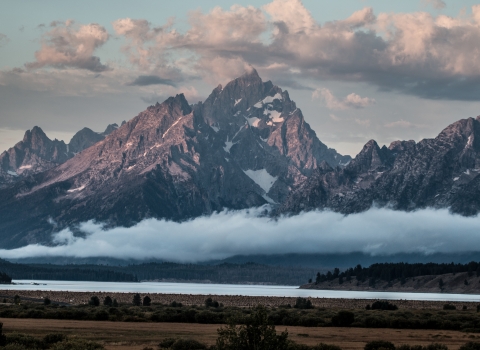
136,335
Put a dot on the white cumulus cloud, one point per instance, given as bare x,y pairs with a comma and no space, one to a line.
350,101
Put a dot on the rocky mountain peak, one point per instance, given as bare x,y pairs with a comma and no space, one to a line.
370,158
110,128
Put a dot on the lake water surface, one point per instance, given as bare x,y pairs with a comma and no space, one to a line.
225,289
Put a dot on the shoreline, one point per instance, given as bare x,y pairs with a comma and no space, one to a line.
82,298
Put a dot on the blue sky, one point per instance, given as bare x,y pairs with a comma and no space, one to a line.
398,71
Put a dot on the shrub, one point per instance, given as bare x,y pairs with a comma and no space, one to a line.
107,301
449,307
323,346
343,319
478,308
470,346
27,341
94,301
15,346
383,305
257,333
77,344
302,303
175,304
115,303
137,300
16,299
54,338
188,344
101,315
147,301
209,302
47,301
166,343
435,346
379,344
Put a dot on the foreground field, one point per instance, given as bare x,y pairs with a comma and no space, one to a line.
136,336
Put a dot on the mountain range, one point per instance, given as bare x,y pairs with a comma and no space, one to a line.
245,146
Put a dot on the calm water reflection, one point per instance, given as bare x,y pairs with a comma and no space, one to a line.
225,289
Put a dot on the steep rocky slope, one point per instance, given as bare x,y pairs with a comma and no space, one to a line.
245,146
439,173
36,153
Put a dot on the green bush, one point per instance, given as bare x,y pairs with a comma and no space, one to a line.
77,344
54,338
436,346
15,346
383,305
166,343
323,346
101,315
379,344
25,340
188,344
94,301
449,307
302,303
470,346
343,319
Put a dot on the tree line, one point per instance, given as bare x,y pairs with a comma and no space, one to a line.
63,272
221,273
397,271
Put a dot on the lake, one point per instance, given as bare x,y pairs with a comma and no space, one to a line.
225,289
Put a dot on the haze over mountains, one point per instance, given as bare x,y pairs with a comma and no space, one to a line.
247,145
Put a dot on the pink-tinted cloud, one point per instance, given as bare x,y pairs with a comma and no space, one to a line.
350,101
415,53
69,45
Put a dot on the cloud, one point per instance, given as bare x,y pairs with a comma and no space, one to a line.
69,45
334,117
434,57
365,122
400,123
145,80
350,101
376,232
436,4
3,39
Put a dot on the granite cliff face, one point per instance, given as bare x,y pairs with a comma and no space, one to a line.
438,173
245,146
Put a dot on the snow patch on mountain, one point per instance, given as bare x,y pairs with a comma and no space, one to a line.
270,99
166,132
262,178
77,189
253,121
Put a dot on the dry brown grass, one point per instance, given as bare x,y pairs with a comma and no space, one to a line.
136,336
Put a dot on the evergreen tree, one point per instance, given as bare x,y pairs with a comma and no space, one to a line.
146,301
94,301
107,301
137,300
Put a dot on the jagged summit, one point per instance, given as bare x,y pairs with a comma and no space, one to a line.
443,172
246,145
